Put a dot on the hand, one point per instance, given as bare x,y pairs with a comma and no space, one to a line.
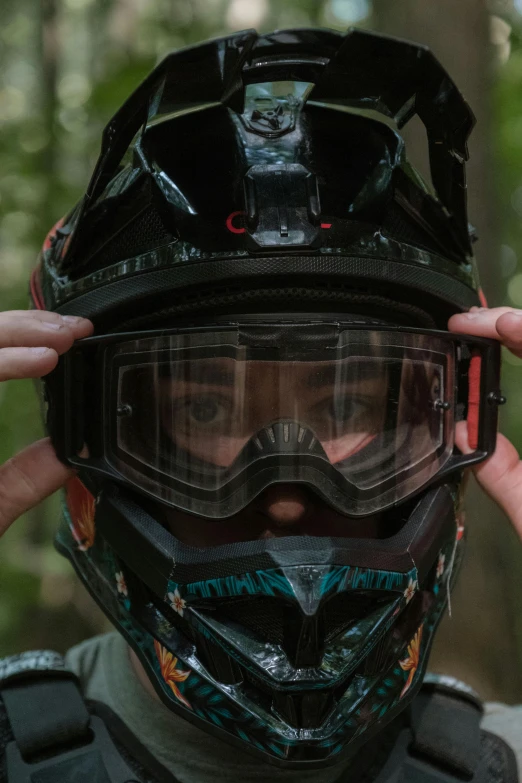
500,475
30,343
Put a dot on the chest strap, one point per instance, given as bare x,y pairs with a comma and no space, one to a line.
446,730
56,740
445,744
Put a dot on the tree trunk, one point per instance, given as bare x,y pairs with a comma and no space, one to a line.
48,55
479,643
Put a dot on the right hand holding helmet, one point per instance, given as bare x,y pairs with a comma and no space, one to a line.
30,343
500,475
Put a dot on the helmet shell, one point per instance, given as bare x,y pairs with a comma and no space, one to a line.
268,161
268,174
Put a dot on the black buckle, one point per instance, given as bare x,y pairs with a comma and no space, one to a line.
98,761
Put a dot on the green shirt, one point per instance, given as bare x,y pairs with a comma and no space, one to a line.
192,756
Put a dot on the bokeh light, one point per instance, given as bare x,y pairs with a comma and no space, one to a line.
242,14
508,261
516,200
349,11
514,289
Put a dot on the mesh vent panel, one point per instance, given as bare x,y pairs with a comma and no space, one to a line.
267,618
400,227
144,233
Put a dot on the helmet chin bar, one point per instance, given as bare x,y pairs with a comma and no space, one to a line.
299,632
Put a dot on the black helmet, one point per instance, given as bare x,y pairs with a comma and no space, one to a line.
270,282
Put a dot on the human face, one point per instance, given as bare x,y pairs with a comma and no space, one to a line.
212,409
205,422
204,413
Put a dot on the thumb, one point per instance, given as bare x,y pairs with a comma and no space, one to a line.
500,476
28,478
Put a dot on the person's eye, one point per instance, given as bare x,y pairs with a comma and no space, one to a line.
348,410
206,410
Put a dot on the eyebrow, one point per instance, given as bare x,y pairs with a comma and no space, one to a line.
214,375
328,376
211,375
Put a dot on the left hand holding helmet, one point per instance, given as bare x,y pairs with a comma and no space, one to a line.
500,475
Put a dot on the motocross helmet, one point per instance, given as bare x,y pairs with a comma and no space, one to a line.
270,282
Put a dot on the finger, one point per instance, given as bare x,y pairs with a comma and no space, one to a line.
16,363
461,437
79,325
58,334
38,315
509,328
479,321
500,476
28,478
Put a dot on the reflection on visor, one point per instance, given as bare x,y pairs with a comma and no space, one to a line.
213,408
200,412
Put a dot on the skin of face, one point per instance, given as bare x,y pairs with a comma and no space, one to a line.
213,409
210,408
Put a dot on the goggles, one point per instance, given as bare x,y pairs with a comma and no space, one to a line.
203,419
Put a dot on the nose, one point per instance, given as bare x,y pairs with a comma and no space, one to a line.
285,505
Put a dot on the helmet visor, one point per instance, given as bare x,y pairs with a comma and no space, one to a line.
193,416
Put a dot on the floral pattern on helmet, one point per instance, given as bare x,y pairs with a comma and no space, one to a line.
121,584
441,565
81,506
170,674
410,590
177,602
411,663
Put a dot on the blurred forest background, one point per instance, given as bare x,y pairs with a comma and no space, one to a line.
65,67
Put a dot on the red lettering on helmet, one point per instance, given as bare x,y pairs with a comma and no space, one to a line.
230,222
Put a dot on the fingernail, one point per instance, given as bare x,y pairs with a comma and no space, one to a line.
39,351
72,319
51,325
516,313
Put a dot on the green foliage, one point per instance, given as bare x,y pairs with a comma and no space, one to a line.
507,141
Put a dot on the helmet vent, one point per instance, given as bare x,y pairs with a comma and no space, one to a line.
144,233
268,618
397,225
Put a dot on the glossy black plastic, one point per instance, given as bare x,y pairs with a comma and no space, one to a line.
195,169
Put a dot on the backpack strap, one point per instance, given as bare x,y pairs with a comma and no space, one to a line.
445,744
56,740
445,729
